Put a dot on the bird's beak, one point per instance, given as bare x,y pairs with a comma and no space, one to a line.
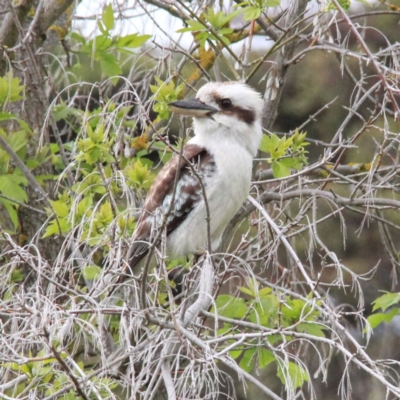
192,108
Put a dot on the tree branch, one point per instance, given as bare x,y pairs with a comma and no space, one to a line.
277,77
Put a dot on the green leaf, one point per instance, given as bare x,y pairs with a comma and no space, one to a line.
110,65
54,227
102,28
269,304
291,162
265,357
247,291
162,110
79,38
271,3
138,175
132,41
17,275
17,140
286,153
248,360
293,309
51,229
10,186
376,319
60,208
312,328
219,22
10,88
12,212
193,26
265,292
264,311
4,116
108,17
253,285
235,353
101,43
105,214
219,19
85,206
164,93
92,184
299,138
230,306
225,31
91,272
225,329
62,111
251,12
95,148
24,125
294,372
266,144
385,301
279,170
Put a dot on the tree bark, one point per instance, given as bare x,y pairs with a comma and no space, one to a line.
21,37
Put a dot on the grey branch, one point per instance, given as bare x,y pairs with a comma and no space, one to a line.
277,78
24,169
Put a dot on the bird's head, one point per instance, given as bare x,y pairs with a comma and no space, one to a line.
229,110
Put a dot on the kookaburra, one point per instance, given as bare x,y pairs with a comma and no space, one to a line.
227,133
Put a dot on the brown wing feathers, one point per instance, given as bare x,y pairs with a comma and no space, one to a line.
188,193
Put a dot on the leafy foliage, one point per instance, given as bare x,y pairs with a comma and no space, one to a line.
294,373
106,49
285,153
384,302
276,313
10,89
44,372
95,148
165,93
218,21
12,180
94,159
254,8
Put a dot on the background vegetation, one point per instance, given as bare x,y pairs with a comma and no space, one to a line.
301,300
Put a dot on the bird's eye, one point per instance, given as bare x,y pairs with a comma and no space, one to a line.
225,103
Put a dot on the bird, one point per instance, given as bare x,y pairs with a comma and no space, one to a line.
210,177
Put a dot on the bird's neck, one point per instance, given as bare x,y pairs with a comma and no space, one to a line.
209,133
